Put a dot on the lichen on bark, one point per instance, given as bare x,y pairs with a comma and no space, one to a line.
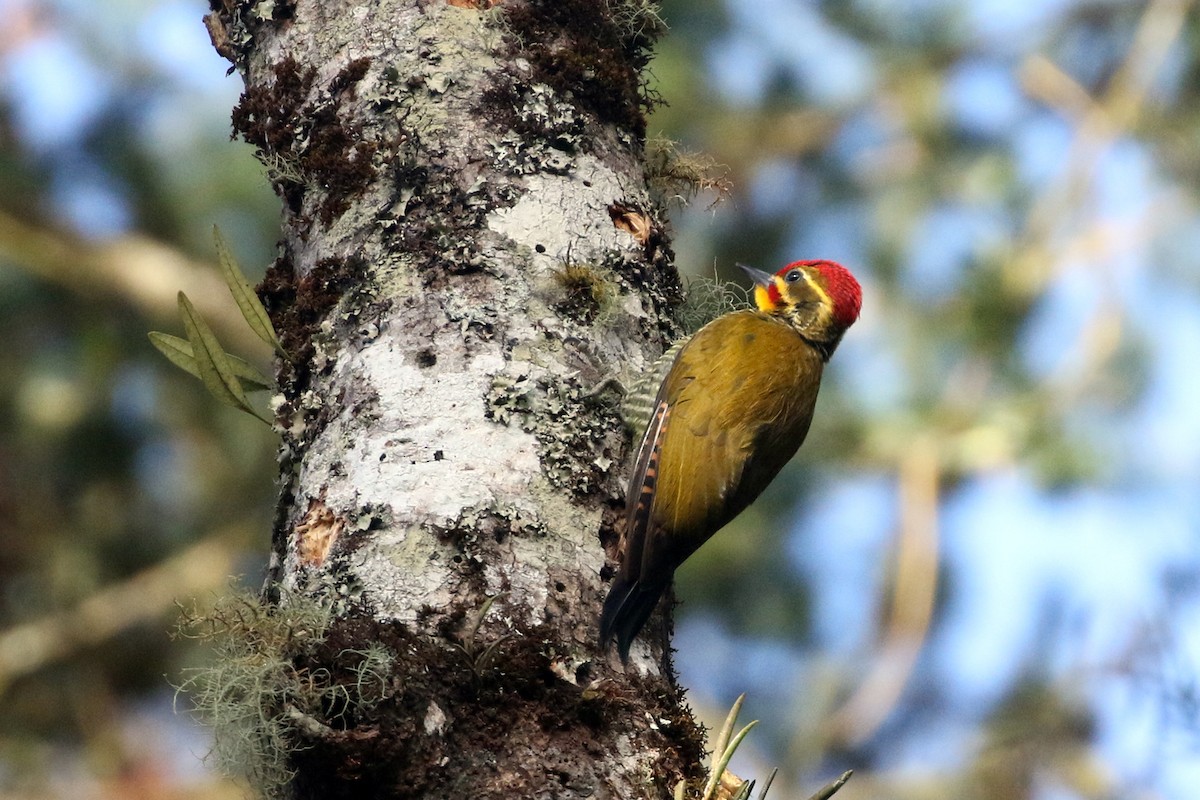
442,166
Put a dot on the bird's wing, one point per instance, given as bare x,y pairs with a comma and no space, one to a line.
630,601
723,410
639,500
701,459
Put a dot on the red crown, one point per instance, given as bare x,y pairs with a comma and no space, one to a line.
842,287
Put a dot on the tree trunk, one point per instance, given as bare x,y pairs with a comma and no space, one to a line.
469,254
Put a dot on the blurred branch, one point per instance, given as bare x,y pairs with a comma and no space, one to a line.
1059,210
1062,229
131,268
1101,122
1045,81
1100,337
913,595
145,596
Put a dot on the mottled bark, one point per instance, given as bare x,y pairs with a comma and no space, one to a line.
469,252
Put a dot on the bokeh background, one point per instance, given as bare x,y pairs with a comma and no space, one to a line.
980,579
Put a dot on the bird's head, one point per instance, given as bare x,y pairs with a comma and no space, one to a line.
820,299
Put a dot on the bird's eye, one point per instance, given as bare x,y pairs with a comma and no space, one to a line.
792,276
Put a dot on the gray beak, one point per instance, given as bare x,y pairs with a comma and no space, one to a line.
763,279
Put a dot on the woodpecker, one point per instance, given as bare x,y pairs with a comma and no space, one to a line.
732,409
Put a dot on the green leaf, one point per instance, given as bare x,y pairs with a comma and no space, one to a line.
179,352
212,361
722,742
830,789
725,747
743,792
762,795
473,630
248,373
243,294
734,744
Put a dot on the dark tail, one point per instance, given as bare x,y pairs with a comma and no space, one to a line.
628,606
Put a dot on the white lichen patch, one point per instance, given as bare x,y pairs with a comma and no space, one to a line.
540,216
525,575
406,570
424,453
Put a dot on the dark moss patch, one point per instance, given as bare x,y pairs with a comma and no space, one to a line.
307,705
442,220
351,74
438,727
685,754
657,281
302,139
338,157
283,10
278,294
297,309
592,51
268,117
